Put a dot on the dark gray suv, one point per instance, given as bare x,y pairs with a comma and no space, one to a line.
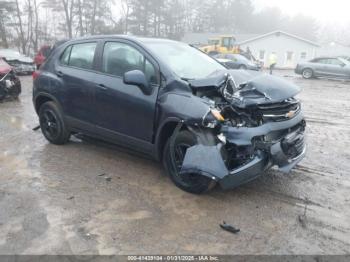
208,125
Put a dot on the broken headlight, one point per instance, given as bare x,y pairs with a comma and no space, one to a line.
212,118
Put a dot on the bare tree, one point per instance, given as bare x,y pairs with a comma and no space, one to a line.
68,6
80,16
125,8
21,33
35,36
6,9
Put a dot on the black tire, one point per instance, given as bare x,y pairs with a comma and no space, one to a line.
307,73
2,93
16,91
242,67
52,124
194,184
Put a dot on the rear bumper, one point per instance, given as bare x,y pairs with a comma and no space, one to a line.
298,70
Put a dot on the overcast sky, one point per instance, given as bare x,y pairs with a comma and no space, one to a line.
325,11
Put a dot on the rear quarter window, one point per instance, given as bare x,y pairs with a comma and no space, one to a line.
79,55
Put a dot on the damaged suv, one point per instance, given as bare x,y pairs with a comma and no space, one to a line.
208,125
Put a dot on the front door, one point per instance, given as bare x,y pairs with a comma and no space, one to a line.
124,111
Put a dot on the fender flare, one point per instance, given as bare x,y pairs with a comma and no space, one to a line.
47,95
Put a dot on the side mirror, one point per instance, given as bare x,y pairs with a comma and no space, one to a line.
138,78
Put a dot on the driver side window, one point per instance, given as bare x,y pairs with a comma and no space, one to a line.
119,58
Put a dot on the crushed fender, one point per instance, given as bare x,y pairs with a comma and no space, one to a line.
206,161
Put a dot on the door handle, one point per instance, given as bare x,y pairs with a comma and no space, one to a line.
59,74
102,87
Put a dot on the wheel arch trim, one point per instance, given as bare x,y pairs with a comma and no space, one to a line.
45,95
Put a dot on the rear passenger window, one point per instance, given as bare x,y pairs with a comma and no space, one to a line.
82,55
119,58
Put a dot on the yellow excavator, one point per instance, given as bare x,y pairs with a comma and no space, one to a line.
222,45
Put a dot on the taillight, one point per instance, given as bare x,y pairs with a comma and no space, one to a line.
36,74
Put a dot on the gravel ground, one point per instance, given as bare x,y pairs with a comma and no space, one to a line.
89,198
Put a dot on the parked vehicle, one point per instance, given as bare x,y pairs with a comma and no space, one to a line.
10,85
169,100
42,55
236,61
335,67
20,63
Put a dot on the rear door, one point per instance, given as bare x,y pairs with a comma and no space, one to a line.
319,66
124,112
75,70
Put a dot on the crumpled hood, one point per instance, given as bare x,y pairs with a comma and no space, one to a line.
261,88
253,87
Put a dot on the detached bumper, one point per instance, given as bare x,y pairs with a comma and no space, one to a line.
262,162
286,153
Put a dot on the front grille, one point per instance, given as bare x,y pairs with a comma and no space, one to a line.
279,111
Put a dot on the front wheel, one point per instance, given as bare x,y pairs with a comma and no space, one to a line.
192,183
52,124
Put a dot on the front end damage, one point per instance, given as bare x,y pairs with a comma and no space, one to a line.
250,127
10,85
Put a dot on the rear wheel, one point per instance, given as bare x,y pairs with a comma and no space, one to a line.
16,90
2,93
192,183
307,73
52,124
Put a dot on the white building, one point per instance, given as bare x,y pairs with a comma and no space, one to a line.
290,49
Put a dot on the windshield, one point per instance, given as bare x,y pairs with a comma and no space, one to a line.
344,61
185,61
227,41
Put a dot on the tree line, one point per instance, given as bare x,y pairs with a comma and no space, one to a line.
27,24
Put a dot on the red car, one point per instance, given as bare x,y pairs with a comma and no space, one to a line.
10,85
42,55
4,67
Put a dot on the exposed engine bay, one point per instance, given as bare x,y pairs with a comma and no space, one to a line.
256,124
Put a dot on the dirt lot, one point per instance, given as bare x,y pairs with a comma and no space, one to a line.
86,198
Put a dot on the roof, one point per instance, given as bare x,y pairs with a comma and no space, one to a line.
139,39
279,32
